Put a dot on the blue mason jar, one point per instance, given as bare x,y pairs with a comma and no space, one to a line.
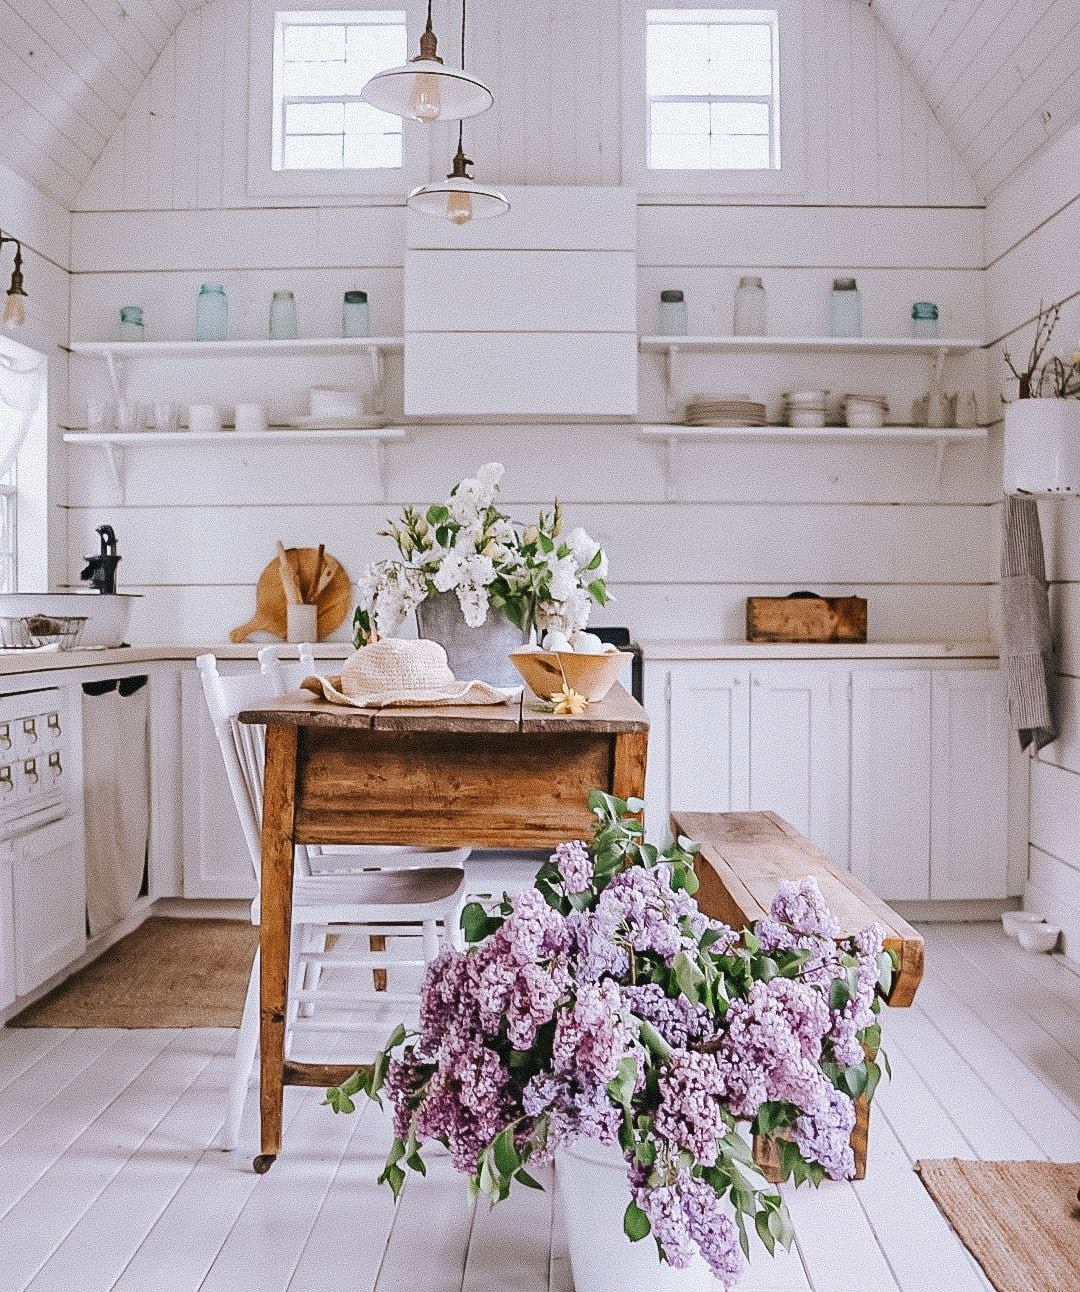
131,323
845,308
355,317
924,320
211,313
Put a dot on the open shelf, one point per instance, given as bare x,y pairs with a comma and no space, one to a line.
254,347
671,434
114,444
810,344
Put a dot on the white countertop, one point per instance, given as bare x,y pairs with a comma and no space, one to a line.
698,648
14,663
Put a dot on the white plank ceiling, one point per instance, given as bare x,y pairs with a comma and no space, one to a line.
1002,77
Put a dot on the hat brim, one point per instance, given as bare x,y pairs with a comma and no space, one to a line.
465,693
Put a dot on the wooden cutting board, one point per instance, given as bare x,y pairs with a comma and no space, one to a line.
804,617
270,613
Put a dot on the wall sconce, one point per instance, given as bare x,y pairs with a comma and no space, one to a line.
14,309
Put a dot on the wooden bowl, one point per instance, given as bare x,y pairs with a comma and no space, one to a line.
592,676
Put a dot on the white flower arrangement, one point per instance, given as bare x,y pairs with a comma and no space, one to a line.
532,574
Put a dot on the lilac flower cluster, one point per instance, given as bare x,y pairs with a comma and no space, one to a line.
678,1020
687,1218
574,865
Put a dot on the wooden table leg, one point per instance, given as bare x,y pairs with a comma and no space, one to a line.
628,772
275,932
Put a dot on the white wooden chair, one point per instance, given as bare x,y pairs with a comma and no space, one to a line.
407,906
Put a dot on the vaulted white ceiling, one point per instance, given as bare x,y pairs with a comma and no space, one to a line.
1002,76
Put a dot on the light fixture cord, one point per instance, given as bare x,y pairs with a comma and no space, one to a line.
463,35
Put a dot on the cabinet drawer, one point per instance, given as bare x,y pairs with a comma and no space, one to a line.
49,904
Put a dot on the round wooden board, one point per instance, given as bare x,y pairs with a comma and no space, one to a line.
270,612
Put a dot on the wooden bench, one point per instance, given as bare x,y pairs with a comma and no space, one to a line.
744,858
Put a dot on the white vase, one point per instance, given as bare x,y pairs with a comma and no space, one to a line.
473,653
1042,446
592,1185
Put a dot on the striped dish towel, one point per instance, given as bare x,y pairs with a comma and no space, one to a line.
1027,643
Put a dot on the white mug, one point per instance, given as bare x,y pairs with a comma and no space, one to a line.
251,418
129,416
301,623
164,415
100,414
204,417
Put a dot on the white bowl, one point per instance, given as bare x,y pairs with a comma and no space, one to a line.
806,397
806,417
864,418
1013,921
107,615
1039,937
327,402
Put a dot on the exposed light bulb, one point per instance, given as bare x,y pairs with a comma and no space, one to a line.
15,311
459,208
425,102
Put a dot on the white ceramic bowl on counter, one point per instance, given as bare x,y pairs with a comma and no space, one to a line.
1039,937
107,614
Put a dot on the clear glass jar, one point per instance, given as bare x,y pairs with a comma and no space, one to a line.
671,317
283,317
211,313
355,316
845,308
750,307
131,323
924,319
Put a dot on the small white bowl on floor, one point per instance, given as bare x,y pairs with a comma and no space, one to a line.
1013,921
1039,937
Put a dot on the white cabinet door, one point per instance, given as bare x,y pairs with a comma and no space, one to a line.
792,747
216,858
7,926
49,902
709,738
968,839
890,782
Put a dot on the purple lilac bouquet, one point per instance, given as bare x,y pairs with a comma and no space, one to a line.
603,1005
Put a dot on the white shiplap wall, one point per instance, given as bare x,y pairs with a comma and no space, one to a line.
1033,230
870,136
1002,77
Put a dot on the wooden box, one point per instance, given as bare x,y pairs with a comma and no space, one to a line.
804,617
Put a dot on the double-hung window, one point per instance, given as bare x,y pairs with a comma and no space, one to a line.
713,89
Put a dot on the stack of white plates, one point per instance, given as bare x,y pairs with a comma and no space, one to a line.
865,410
806,408
718,410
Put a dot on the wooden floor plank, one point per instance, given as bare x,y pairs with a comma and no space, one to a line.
836,1242
923,1127
338,1239
50,1134
36,1225
60,1066
22,1047
510,1249
99,1247
434,1218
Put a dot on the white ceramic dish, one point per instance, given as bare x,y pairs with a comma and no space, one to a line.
806,417
1039,937
107,615
1013,921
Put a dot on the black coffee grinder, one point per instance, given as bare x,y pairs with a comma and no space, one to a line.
100,571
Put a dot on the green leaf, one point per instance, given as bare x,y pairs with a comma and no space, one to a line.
598,591
761,1224
635,1223
750,1176
839,995
621,1087
438,514
653,1041
416,1163
474,922
885,965
781,1228
530,1182
855,1078
507,1158
873,1076
689,977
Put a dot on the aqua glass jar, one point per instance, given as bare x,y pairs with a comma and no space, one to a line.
355,317
845,308
750,307
671,319
211,313
924,320
283,317
131,323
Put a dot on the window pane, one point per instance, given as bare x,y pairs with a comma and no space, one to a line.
364,151
313,152
314,118
679,152
363,119
677,59
680,118
302,79
370,49
740,119
739,152
313,43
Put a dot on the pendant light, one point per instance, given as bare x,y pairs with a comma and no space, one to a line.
14,306
458,198
425,89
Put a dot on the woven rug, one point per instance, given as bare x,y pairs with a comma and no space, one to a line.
168,973
1020,1220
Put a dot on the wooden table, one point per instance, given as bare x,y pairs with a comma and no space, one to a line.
504,776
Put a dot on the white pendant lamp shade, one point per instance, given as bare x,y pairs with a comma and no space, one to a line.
458,200
425,89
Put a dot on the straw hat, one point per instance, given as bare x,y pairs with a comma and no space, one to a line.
398,672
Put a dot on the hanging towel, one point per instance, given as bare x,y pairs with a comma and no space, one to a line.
1027,644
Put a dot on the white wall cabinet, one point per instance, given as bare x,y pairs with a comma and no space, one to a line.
899,773
216,858
49,902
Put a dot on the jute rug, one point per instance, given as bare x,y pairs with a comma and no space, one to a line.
168,973
1020,1220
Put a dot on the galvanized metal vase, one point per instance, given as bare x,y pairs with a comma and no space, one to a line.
474,654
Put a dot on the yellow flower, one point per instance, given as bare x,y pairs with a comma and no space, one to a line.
569,701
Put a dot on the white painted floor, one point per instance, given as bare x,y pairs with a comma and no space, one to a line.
107,1180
